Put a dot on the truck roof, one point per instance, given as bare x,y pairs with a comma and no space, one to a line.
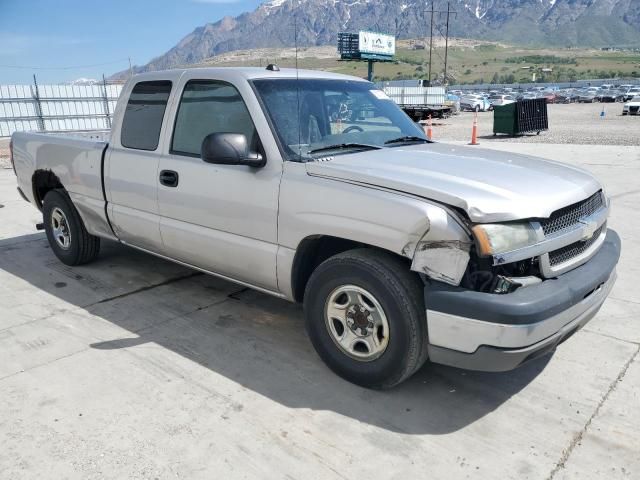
248,73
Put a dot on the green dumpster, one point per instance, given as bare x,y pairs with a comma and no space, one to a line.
521,117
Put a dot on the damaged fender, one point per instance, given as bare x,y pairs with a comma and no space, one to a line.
443,252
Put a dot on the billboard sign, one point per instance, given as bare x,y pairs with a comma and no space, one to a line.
376,43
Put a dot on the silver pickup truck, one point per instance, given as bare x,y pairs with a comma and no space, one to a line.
317,188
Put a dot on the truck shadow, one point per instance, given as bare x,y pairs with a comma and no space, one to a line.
250,338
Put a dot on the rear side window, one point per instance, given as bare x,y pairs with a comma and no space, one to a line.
210,106
143,117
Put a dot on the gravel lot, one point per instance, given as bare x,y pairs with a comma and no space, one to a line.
571,124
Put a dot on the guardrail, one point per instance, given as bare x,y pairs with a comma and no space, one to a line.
56,108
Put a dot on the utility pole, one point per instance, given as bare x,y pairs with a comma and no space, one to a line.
446,48
130,68
446,43
430,45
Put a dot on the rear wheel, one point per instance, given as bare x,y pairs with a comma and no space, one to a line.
66,232
365,316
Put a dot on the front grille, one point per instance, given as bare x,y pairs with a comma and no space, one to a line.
564,254
569,216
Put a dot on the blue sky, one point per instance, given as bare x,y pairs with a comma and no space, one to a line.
50,34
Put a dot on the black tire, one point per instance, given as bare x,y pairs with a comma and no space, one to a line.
400,293
83,247
477,108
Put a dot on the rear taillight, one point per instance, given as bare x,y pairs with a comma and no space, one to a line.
11,156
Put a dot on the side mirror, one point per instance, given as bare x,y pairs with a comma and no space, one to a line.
229,149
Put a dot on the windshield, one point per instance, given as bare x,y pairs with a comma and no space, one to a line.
350,115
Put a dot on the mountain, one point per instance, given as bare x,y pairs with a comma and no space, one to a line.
539,22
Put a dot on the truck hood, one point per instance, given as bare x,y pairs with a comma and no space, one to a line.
489,185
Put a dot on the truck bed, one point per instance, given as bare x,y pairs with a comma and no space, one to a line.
75,159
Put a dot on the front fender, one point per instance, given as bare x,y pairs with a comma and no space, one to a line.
400,223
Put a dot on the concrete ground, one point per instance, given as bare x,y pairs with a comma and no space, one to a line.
133,367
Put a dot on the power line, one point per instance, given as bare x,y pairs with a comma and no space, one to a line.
446,37
433,11
72,67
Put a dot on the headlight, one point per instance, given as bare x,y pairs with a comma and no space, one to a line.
492,238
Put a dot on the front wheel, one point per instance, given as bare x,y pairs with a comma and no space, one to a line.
365,316
66,232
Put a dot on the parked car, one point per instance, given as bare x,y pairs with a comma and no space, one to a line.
566,96
528,96
610,96
501,99
630,93
400,249
453,101
632,107
475,103
588,96
550,97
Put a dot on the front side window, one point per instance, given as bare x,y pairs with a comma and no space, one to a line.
143,117
309,115
206,107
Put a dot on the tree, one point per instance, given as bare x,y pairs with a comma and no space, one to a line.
495,78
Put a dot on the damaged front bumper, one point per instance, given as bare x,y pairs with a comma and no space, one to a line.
490,332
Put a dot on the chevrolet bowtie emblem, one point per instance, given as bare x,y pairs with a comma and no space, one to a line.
589,229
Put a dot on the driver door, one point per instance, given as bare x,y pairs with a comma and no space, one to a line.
221,218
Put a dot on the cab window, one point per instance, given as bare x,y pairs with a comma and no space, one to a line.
143,116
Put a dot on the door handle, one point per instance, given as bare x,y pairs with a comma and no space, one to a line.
169,178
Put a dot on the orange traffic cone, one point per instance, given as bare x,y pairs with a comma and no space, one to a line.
429,129
474,130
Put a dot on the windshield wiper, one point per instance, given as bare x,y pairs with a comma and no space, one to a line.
407,139
345,146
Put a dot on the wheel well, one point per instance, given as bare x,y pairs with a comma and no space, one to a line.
311,252
44,181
